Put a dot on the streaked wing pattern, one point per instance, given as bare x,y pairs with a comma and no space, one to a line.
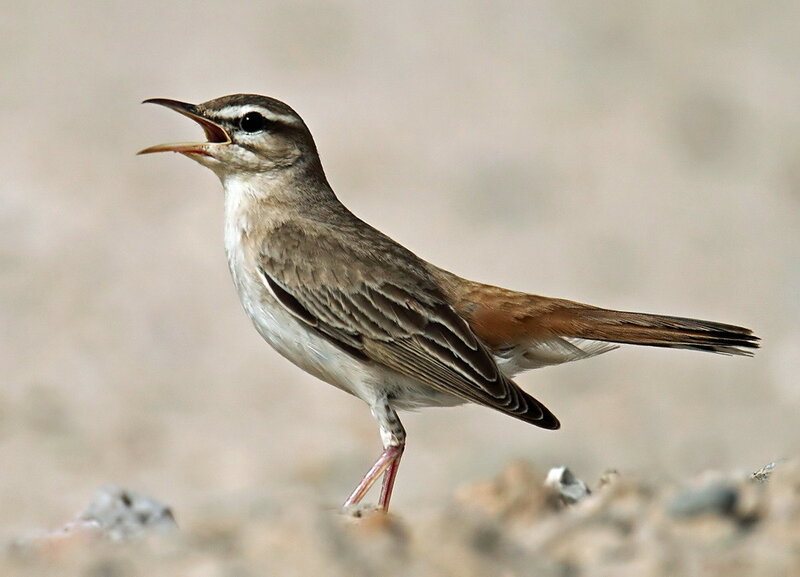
422,338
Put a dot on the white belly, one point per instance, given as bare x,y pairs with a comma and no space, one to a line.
295,340
315,354
302,344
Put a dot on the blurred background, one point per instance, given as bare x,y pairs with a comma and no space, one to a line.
643,157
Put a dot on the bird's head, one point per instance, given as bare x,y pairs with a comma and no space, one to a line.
246,134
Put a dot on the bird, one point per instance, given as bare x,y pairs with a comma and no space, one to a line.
358,310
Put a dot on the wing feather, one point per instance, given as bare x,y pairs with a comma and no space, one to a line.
423,338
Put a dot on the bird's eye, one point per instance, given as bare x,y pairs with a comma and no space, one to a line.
253,122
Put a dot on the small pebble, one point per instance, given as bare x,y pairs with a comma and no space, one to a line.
717,498
567,485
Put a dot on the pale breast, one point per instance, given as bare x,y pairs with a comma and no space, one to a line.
290,337
293,338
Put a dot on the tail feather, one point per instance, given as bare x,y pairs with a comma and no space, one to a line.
526,331
654,330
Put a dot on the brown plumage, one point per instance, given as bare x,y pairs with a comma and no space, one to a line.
379,302
506,319
349,305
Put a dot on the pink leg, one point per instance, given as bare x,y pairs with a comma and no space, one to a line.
385,465
388,480
394,441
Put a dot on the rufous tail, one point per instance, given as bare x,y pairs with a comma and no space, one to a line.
654,330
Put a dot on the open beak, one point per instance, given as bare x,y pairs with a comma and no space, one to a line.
215,134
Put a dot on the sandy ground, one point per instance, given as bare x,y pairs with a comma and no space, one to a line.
510,525
644,158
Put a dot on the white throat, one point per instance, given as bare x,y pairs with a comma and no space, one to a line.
240,194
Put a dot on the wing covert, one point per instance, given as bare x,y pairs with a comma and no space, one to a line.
418,335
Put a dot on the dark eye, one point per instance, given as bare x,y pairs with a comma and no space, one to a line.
252,122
